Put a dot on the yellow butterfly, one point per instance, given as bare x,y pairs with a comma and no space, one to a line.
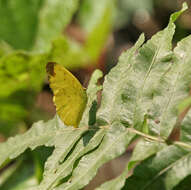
69,96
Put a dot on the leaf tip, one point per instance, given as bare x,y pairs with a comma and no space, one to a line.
184,6
99,73
141,38
175,15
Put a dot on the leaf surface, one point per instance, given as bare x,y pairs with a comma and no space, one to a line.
161,171
114,144
91,92
142,85
59,166
39,134
112,106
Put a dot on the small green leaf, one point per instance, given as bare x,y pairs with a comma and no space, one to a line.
174,16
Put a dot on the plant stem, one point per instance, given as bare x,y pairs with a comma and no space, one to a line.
159,139
132,130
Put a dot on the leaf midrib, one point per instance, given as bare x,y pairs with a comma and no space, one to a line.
140,95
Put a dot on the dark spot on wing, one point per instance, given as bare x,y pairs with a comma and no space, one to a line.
50,68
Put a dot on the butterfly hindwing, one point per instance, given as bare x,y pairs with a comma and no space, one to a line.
69,96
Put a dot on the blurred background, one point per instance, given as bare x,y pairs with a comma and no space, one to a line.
82,35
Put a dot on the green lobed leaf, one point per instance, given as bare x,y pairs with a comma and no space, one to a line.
112,105
181,73
143,150
63,166
144,85
63,145
52,133
40,133
114,144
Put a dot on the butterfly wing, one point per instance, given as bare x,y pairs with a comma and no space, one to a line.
69,96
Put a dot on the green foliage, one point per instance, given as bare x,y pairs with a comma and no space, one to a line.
48,26
34,22
30,36
19,86
142,85
93,88
141,97
20,21
15,182
100,16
